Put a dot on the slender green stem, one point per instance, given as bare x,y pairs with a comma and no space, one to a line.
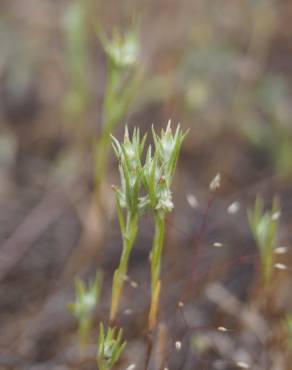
113,109
129,237
84,328
101,365
116,103
155,260
157,247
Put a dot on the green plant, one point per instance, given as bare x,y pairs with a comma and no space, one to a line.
123,78
110,347
144,188
128,153
124,75
86,299
264,226
158,174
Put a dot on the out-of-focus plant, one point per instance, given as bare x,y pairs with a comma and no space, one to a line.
128,196
253,103
110,347
158,173
76,35
266,121
123,78
86,299
124,75
264,226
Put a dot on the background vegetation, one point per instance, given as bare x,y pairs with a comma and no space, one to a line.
71,73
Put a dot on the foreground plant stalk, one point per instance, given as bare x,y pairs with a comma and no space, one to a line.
129,236
155,260
127,197
159,170
143,189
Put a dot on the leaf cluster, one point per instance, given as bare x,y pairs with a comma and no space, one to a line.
152,178
110,347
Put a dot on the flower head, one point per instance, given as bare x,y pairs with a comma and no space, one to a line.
159,168
86,297
122,49
129,155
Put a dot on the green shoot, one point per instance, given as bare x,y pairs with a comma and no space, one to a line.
85,302
264,226
110,347
128,153
155,176
158,174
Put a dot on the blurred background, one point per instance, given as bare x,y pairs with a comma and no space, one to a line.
71,73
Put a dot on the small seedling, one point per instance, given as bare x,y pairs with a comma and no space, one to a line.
85,302
264,226
110,347
128,198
